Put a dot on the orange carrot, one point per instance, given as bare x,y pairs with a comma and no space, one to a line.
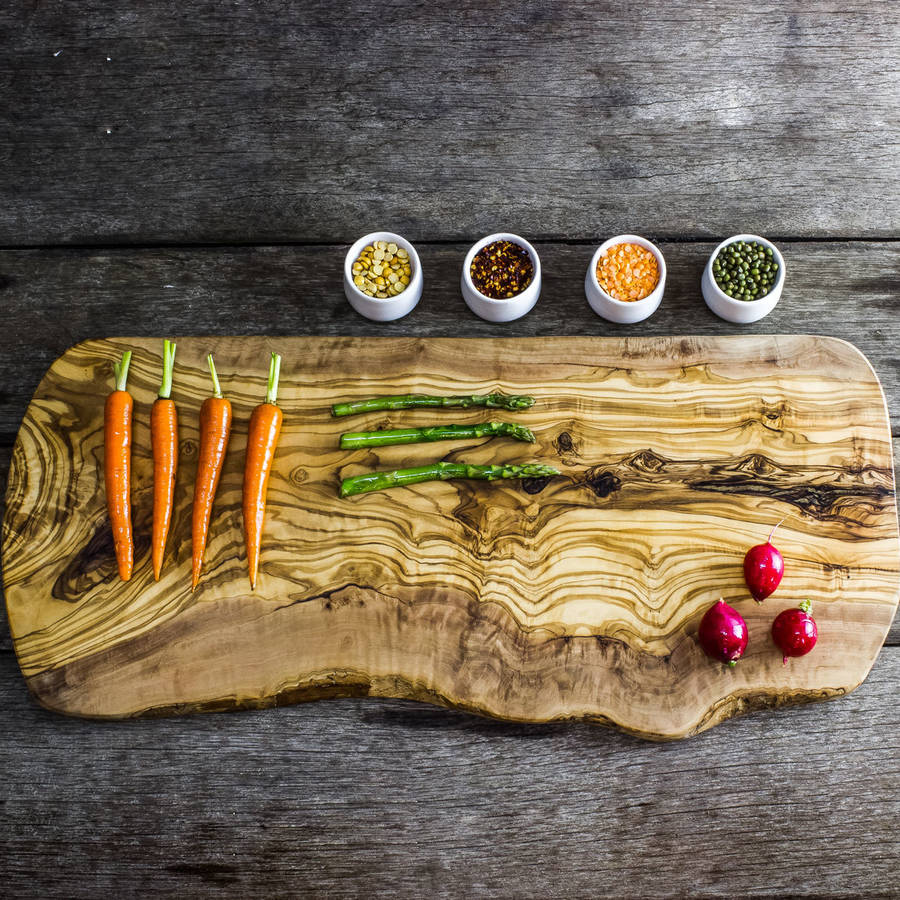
215,427
262,440
117,467
164,440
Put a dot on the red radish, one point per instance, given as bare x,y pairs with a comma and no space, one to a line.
723,633
794,631
763,568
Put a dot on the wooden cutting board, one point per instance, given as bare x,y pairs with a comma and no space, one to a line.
574,598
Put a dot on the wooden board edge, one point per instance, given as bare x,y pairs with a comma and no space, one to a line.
346,685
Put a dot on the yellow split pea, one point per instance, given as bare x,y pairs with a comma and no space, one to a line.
628,272
382,270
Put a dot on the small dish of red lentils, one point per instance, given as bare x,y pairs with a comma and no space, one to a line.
501,277
625,280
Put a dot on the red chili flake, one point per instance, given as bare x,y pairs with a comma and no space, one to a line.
501,270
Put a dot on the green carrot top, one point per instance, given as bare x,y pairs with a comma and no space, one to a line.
217,390
274,371
121,370
165,388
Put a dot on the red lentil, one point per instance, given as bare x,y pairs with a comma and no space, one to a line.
628,272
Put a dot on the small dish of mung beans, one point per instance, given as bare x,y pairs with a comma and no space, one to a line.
743,278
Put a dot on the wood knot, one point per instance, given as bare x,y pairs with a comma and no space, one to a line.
564,443
757,464
298,475
647,461
774,412
601,482
535,485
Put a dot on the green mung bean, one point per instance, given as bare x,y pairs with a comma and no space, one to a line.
745,270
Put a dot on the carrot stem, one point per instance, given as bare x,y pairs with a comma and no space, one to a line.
274,371
121,370
217,391
165,388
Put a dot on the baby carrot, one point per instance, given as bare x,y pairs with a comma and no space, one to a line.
215,426
262,440
117,466
164,440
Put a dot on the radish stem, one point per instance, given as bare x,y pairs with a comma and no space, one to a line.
769,539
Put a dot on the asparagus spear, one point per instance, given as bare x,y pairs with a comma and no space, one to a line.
441,471
415,401
354,439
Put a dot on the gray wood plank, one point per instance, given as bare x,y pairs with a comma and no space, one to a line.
369,798
248,121
55,298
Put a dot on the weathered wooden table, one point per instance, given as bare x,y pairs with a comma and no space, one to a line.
200,168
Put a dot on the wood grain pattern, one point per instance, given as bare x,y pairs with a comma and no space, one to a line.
579,600
275,121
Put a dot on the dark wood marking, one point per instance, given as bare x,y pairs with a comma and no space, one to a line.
812,496
564,443
601,481
94,564
534,485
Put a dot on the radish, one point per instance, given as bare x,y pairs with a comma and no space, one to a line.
723,633
794,631
763,568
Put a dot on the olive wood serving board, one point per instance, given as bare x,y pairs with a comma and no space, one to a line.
577,597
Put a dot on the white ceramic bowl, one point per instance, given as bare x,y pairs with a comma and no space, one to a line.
741,311
376,308
509,308
623,312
